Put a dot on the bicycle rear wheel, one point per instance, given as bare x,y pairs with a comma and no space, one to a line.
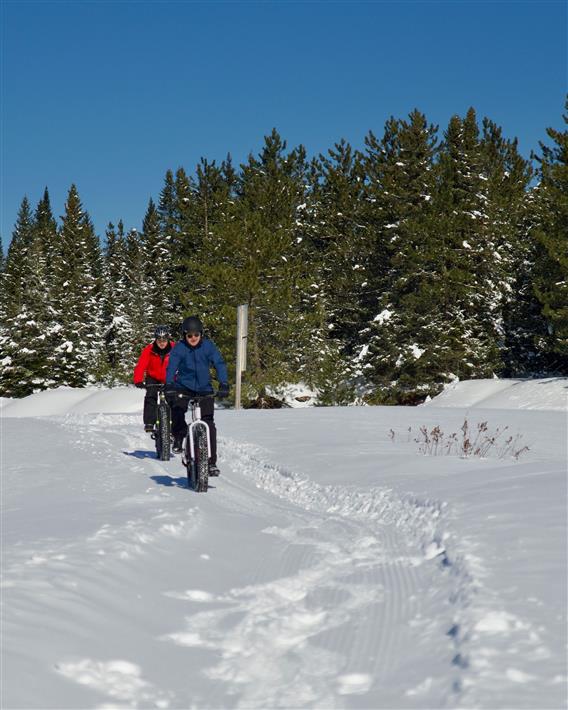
163,432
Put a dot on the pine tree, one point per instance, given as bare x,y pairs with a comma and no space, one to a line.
525,326
507,175
338,239
168,209
22,333
77,357
118,328
551,245
158,269
255,256
16,260
137,298
404,270
46,230
468,333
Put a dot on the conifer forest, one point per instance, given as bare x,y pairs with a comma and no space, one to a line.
374,275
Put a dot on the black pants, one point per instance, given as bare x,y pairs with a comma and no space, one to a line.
179,427
151,401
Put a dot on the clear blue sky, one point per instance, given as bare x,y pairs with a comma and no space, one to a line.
110,94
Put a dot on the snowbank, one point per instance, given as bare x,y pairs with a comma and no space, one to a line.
68,400
545,394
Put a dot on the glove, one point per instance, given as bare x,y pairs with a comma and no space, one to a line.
223,391
140,385
170,392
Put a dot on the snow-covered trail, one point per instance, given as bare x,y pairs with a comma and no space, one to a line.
256,594
296,581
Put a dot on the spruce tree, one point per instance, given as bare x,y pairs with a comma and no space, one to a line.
157,269
137,297
77,356
338,239
168,209
118,327
468,332
402,333
255,255
507,175
551,246
22,332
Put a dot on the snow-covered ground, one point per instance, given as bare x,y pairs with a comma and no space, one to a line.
331,565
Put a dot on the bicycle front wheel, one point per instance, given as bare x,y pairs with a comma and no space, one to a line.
201,459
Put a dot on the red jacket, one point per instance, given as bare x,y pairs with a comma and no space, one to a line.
153,362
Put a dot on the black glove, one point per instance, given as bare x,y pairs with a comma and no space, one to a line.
170,392
140,385
223,391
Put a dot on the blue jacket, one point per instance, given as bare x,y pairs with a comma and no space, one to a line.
189,366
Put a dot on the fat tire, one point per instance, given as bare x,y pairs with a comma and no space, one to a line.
201,459
189,465
163,441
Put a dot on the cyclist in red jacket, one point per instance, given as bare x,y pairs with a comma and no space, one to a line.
151,369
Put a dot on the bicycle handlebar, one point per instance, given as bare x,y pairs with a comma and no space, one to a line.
196,396
180,393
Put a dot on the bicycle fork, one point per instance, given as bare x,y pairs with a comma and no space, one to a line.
191,429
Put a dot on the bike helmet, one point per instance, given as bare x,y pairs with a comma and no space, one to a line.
162,331
192,325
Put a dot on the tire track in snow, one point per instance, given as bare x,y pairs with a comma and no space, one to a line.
410,532
299,628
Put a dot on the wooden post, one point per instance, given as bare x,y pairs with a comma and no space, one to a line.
242,334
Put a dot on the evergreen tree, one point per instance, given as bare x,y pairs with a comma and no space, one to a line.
158,269
551,245
255,256
17,259
22,332
168,209
525,326
137,298
507,175
46,230
404,269
118,328
338,239
214,195
77,357
468,333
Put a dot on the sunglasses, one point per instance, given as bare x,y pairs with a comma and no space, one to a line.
162,340
193,335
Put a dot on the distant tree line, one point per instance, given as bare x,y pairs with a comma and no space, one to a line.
374,275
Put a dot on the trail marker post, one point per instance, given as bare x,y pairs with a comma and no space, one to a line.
242,334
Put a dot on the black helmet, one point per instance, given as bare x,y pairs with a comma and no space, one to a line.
161,331
192,325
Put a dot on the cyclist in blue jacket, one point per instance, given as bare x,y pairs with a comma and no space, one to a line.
189,371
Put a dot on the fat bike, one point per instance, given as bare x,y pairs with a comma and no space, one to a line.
196,447
162,433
